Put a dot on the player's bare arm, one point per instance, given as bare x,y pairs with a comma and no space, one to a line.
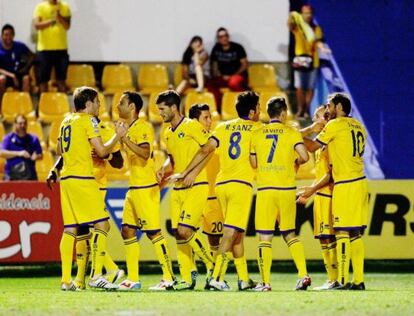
311,145
103,150
141,150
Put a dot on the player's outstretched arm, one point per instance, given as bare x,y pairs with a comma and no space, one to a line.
103,150
307,191
189,179
311,145
303,155
141,150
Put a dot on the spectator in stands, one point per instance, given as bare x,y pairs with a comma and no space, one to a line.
15,62
52,20
194,64
228,65
308,38
21,150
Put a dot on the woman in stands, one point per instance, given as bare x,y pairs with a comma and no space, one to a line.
194,66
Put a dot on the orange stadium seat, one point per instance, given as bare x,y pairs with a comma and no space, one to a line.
153,113
80,75
152,78
103,109
53,135
262,77
14,103
53,106
116,78
228,106
204,97
35,128
178,74
44,165
264,97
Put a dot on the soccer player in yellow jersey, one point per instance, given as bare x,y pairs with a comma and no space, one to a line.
322,203
184,138
274,149
212,215
83,248
79,134
345,138
142,202
233,185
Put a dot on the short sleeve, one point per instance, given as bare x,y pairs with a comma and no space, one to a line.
92,128
253,144
241,52
36,145
144,136
37,13
296,138
217,134
327,134
65,10
198,133
6,143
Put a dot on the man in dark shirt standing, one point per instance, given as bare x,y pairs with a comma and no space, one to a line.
21,150
228,65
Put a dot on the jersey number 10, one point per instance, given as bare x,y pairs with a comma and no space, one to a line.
358,142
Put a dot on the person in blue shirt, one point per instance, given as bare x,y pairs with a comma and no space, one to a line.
21,150
15,61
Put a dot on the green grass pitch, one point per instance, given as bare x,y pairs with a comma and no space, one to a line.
387,294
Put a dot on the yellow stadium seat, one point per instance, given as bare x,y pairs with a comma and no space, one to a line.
80,75
264,97
116,78
114,174
152,78
153,113
35,128
204,97
228,106
2,131
103,109
14,103
2,165
53,135
307,170
53,106
178,74
159,157
44,165
262,77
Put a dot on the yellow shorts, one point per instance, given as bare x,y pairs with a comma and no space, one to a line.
213,218
275,206
322,216
142,209
188,205
81,202
235,201
350,205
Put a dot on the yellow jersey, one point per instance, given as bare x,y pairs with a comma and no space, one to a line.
274,146
322,168
345,138
233,139
142,173
52,37
99,165
75,131
183,142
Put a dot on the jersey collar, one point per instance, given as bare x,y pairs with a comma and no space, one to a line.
176,126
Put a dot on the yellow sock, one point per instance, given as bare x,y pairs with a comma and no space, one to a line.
298,255
357,259
201,251
343,252
66,254
99,238
132,258
264,260
184,256
241,267
83,250
109,264
333,261
193,261
163,256
220,267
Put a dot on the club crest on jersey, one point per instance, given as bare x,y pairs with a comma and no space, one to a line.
95,122
181,135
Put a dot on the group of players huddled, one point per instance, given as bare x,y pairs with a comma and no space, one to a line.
213,174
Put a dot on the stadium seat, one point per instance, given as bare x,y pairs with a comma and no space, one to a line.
14,103
152,78
53,106
178,74
228,106
307,170
262,77
2,165
53,135
264,97
153,113
2,131
35,128
44,165
122,174
80,75
116,78
103,109
204,97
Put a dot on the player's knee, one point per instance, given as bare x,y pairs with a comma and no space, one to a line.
103,226
128,232
213,240
289,236
183,233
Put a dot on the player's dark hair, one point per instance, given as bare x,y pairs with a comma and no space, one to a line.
196,109
188,54
275,106
134,97
342,98
169,97
246,101
82,95
7,27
